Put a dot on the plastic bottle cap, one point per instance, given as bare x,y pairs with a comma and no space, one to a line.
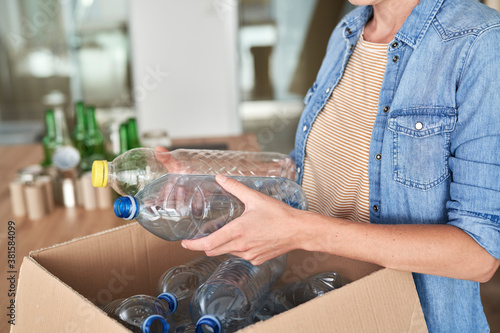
66,158
152,324
171,299
100,173
126,207
208,323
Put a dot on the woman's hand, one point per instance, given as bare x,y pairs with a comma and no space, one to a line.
268,227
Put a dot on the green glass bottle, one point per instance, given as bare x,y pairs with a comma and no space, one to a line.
94,141
49,140
80,129
133,134
123,133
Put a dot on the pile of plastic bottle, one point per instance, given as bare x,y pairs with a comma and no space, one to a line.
175,196
218,295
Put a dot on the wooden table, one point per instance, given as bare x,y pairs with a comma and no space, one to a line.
63,224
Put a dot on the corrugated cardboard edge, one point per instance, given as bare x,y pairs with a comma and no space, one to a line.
32,254
340,310
41,293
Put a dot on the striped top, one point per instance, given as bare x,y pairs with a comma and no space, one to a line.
336,163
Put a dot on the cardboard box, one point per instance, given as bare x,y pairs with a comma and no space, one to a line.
60,286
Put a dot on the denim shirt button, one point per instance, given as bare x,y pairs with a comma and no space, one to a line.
327,90
386,109
298,169
304,128
378,157
394,45
348,31
395,59
375,208
352,47
419,126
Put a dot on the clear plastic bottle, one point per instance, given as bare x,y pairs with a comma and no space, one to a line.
180,282
110,307
176,207
228,300
312,287
142,314
291,295
131,171
274,304
56,135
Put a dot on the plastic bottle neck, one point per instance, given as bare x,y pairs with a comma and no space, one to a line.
170,300
126,207
155,323
208,323
111,175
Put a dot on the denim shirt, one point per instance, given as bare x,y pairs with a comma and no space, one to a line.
438,130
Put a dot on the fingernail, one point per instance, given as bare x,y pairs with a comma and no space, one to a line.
183,245
221,178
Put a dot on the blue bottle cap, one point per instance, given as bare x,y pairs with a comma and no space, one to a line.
155,323
126,207
171,299
208,323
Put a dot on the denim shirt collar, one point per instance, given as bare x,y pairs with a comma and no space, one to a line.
412,31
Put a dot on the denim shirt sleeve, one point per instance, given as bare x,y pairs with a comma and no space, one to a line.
474,204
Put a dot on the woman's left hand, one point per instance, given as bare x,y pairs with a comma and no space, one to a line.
267,228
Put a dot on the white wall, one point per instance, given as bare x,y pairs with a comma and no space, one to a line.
184,65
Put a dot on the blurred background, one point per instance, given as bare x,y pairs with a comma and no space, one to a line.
182,68
195,68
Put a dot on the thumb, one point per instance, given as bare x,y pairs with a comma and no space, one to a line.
161,156
161,149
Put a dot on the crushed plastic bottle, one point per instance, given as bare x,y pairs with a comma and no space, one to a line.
142,313
176,207
180,283
128,173
228,300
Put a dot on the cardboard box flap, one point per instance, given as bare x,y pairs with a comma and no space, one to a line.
367,306
51,306
116,263
129,260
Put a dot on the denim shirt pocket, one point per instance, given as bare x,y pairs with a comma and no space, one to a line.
310,93
421,145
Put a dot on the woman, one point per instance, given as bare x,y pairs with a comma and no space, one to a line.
408,139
